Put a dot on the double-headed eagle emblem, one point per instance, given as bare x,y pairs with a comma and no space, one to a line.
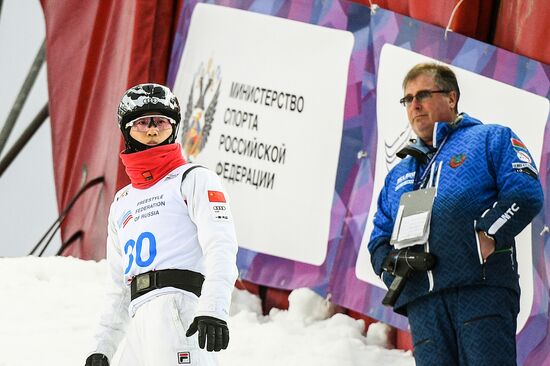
197,121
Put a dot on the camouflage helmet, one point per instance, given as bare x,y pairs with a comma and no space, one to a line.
145,98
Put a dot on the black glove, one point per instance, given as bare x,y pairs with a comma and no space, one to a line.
210,329
97,359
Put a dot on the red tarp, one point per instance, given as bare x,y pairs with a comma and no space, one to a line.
522,28
520,25
95,50
472,18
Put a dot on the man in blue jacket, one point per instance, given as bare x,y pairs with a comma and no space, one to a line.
485,190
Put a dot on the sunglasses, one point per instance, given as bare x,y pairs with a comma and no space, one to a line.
143,123
420,96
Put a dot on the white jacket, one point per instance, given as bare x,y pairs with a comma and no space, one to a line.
170,225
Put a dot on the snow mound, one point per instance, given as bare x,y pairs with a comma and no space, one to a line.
242,300
378,334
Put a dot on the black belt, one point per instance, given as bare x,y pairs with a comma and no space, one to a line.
178,278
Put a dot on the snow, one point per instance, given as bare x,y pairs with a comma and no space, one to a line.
49,308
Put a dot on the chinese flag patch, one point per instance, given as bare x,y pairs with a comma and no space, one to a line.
216,196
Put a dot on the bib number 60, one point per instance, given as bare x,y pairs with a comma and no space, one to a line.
135,246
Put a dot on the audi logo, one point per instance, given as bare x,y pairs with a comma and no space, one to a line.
219,208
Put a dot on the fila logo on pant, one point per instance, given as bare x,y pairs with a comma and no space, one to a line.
184,357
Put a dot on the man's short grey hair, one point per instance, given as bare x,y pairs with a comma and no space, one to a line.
444,77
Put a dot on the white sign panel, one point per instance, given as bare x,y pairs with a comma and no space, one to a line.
483,98
263,104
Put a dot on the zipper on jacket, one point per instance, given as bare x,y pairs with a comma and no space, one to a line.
478,246
427,245
514,265
429,272
438,175
504,250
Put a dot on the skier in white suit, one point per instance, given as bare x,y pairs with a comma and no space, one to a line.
171,246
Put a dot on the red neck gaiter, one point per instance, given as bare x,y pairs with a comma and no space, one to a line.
145,168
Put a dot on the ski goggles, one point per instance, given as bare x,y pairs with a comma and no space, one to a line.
143,123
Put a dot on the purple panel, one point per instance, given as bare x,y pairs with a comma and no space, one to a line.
354,182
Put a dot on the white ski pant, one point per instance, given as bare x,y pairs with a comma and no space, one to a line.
156,334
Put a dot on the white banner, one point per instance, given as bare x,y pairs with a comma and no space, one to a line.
483,98
263,104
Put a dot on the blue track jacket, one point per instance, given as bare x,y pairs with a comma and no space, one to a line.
486,180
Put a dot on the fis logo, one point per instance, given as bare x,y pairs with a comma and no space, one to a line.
123,194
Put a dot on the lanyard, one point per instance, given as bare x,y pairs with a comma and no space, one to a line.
418,182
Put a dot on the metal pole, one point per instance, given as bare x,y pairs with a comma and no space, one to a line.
22,96
57,224
78,235
24,138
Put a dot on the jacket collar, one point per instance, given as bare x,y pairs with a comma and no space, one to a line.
419,150
444,129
